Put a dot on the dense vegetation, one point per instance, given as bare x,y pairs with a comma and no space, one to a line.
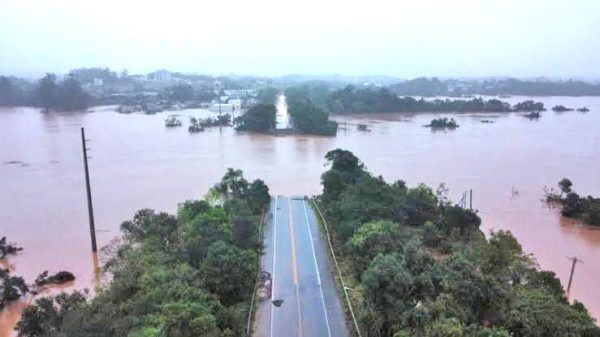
573,206
353,100
259,118
452,87
306,116
16,92
187,275
442,123
416,265
267,95
48,94
11,287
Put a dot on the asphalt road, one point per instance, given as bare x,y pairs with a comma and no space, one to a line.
296,255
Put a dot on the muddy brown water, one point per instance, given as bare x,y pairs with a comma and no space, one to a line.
137,163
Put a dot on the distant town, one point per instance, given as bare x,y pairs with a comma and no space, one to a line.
163,89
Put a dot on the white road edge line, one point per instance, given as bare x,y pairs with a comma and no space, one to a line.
337,267
312,245
273,265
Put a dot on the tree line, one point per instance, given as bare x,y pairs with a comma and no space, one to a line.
184,275
353,100
512,86
417,265
47,93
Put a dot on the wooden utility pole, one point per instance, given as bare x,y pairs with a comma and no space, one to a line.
574,259
471,200
89,192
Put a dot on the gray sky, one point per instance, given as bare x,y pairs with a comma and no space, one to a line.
555,38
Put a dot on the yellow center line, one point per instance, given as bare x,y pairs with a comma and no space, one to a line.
292,238
295,267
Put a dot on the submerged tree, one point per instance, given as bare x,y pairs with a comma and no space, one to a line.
72,96
6,91
11,287
47,92
259,118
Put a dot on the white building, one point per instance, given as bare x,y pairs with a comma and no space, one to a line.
162,76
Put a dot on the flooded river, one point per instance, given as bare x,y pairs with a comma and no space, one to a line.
137,162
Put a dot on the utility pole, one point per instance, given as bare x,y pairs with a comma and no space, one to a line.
89,192
471,199
574,259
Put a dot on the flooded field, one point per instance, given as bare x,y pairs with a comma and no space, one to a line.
138,163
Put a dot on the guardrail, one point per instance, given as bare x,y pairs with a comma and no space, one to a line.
337,267
251,311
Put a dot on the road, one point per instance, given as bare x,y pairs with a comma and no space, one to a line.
296,255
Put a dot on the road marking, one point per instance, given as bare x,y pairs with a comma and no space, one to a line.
294,266
312,245
293,240
273,266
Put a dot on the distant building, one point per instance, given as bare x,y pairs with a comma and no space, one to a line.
240,94
162,76
98,82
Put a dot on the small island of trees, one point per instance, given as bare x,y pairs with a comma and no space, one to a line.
442,123
306,116
561,108
259,118
574,206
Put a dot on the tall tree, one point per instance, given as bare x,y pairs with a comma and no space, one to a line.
259,118
47,92
72,96
6,91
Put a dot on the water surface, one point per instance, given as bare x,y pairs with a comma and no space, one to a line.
137,162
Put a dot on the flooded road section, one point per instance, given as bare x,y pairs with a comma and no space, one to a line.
137,163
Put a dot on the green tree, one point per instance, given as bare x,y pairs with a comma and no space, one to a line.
373,238
229,271
11,287
47,315
6,91
388,287
267,95
565,185
309,119
48,92
72,96
259,118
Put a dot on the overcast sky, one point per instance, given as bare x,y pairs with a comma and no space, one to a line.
405,38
